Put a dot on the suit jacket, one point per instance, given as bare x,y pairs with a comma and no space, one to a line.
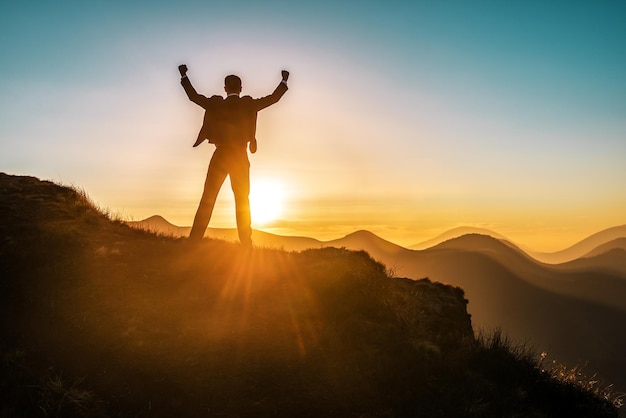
230,120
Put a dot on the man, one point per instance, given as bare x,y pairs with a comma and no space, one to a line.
230,124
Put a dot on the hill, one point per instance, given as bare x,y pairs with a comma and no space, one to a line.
160,225
610,257
593,284
583,247
102,320
578,250
595,244
616,244
455,233
361,240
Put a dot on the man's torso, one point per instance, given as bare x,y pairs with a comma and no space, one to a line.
230,121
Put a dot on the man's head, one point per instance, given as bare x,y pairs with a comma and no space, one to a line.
232,84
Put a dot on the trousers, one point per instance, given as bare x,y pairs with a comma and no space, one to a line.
233,162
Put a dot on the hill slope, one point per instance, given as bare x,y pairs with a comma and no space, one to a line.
102,320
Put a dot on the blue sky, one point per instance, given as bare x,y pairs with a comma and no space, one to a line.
404,118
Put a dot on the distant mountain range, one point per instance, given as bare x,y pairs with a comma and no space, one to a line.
571,303
597,244
586,246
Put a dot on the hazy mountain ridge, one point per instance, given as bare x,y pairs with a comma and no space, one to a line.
600,242
610,257
583,247
541,305
606,287
368,241
616,244
160,225
157,326
605,266
455,233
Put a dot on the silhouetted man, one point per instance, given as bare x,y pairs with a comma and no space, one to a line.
230,124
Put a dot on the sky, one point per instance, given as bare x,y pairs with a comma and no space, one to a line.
403,118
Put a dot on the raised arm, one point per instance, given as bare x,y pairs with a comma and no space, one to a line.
266,101
193,95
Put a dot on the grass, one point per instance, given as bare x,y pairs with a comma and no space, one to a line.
102,320
25,394
525,379
577,377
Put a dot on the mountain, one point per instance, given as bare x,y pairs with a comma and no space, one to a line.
602,241
593,283
160,225
610,257
102,320
583,247
616,244
594,278
455,233
578,250
365,240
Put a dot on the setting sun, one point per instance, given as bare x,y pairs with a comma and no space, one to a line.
266,201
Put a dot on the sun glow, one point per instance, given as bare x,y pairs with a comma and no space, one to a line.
266,201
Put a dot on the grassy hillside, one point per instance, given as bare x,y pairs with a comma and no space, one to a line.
101,320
